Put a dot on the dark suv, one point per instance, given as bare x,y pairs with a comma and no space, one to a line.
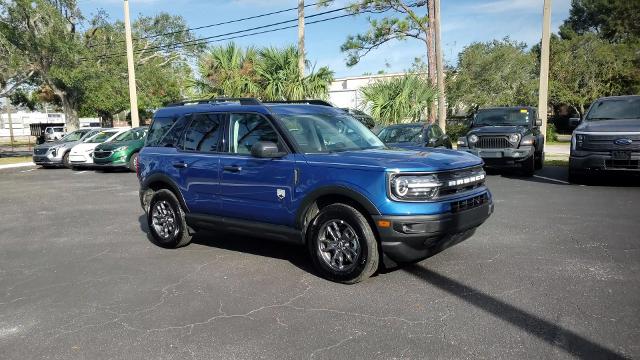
506,137
308,174
608,138
415,135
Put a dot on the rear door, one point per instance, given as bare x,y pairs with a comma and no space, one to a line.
252,188
198,162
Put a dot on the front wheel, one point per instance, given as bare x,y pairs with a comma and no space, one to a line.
133,162
65,160
540,161
166,220
342,245
529,166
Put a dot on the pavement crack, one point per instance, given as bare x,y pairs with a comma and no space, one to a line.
357,334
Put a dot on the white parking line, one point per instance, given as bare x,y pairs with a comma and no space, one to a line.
81,172
25,171
552,179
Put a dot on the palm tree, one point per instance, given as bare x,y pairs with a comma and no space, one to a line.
228,71
399,99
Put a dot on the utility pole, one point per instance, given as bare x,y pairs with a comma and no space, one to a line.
133,94
431,56
10,123
301,37
543,91
442,108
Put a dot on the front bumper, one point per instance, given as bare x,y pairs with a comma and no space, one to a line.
47,159
603,161
109,165
80,159
506,157
414,237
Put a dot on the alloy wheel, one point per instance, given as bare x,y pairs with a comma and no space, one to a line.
164,220
338,245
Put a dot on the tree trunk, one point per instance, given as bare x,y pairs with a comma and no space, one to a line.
431,58
70,109
106,119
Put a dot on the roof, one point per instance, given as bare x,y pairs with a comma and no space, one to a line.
508,107
284,109
619,97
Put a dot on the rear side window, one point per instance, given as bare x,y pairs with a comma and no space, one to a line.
247,129
158,128
203,133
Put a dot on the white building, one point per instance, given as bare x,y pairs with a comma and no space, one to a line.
22,119
345,92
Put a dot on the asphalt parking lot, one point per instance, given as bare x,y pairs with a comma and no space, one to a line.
554,273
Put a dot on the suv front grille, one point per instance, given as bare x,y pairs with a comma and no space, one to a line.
101,154
493,142
463,181
467,204
40,151
606,142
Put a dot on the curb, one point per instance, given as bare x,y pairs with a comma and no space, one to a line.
18,165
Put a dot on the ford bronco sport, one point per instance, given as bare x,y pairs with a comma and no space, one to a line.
307,174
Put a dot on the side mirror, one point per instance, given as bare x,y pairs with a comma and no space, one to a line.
266,149
538,122
573,122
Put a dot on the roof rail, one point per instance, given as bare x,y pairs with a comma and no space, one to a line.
310,102
241,100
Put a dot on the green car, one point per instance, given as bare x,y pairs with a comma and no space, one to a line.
121,152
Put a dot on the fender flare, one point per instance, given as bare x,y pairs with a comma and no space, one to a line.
169,183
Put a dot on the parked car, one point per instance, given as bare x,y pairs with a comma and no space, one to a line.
415,135
607,139
57,153
506,137
81,155
361,116
122,151
54,133
308,174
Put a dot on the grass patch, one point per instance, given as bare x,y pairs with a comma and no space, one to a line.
15,160
556,162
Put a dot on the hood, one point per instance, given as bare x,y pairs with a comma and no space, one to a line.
427,159
83,148
59,144
406,146
110,145
487,130
622,125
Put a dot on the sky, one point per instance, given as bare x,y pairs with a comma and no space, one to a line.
463,22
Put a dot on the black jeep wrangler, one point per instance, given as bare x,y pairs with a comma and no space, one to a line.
506,137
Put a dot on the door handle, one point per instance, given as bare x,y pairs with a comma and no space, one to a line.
179,165
232,168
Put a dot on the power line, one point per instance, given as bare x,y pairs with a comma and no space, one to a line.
210,39
212,25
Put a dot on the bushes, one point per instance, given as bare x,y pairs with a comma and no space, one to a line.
456,130
552,134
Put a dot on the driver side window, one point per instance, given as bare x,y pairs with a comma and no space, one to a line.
248,129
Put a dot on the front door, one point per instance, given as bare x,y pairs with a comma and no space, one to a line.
252,188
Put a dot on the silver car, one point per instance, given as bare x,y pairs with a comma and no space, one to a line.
57,153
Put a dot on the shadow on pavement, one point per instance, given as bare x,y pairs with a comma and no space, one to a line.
547,331
296,255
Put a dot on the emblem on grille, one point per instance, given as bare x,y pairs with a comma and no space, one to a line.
622,141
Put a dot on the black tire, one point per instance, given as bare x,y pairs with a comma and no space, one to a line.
540,161
362,243
529,166
173,234
133,161
576,177
65,160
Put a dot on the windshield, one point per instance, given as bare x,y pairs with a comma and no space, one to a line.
401,134
133,134
614,109
318,133
503,117
101,136
74,136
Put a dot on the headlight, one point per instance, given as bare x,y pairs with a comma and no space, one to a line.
576,141
514,138
473,138
121,148
414,187
527,141
462,141
89,151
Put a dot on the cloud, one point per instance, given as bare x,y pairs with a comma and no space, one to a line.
502,6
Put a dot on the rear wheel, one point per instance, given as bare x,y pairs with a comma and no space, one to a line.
166,220
342,245
133,162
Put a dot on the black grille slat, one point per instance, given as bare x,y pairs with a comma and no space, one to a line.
606,142
101,154
467,204
623,164
40,151
459,174
493,142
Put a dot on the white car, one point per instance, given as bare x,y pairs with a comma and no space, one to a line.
53,133
82,154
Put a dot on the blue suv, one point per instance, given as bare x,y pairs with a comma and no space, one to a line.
306,173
